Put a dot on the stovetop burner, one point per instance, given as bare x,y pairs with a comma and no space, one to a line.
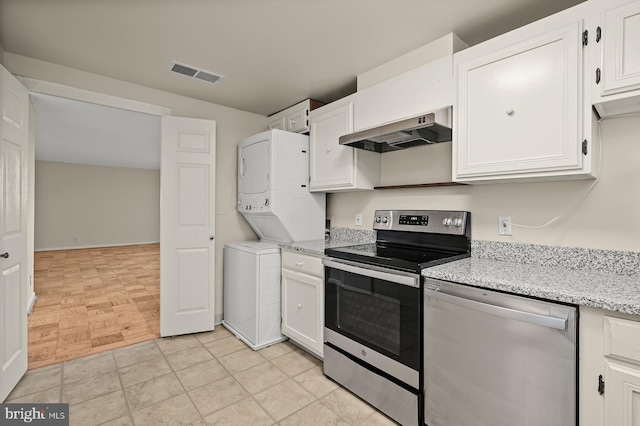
411,240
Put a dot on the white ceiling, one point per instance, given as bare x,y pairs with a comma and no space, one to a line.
274,53
71,131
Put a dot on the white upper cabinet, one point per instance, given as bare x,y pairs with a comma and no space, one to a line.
418,82
423,89
520,111
295,118
616,73
276,121
336,167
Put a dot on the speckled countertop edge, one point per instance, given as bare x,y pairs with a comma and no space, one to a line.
597,278
606,279
340,237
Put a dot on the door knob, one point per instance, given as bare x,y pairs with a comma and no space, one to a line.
5,255
211,237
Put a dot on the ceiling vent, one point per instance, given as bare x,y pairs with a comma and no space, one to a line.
194,72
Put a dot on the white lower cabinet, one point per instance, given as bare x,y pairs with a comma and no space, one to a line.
609,368
621,372
303,300
622,394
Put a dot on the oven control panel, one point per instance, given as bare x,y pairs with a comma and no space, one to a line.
433,221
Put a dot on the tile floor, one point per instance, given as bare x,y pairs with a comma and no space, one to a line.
206,378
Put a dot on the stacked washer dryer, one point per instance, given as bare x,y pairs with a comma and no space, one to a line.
274,197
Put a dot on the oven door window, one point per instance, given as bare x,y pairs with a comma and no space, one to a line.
380,314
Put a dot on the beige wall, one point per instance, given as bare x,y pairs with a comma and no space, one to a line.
80,205
608,218
232,126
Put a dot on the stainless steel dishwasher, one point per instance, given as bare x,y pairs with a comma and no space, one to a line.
494,359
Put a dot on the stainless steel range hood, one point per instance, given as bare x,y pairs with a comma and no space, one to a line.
432,127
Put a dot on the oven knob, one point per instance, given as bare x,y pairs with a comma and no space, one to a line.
446,221
385,219
378,219
457,222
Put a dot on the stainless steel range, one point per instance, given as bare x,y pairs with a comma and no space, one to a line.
374,311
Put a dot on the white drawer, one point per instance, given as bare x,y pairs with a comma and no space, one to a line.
622,339
304,263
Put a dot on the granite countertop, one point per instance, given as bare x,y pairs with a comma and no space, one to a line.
340,237
605,279
597,278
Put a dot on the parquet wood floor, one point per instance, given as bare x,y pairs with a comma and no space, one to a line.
93,300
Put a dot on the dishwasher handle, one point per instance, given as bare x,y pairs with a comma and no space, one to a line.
514,314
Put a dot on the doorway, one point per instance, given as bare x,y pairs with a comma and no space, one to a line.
187,223
96,260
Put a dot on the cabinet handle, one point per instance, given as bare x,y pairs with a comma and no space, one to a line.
328,150
4,255
299,264
299,305
600,385
510,112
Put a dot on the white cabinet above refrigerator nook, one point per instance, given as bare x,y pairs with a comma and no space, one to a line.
295,118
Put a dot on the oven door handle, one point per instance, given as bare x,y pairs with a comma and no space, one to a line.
508,313
398,277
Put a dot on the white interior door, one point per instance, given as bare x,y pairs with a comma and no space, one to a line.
187,224
14,99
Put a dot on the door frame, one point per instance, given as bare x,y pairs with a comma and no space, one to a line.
68,92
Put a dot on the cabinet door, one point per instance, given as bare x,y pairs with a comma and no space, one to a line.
621,54
276,123
622,395
298,119
332,164
302,309
519,109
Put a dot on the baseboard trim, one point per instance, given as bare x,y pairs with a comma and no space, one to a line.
95,246
32,302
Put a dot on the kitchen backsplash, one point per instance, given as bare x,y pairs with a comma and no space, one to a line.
609,261
355,235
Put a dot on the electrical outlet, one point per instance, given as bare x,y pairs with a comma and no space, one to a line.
358,219
504,225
